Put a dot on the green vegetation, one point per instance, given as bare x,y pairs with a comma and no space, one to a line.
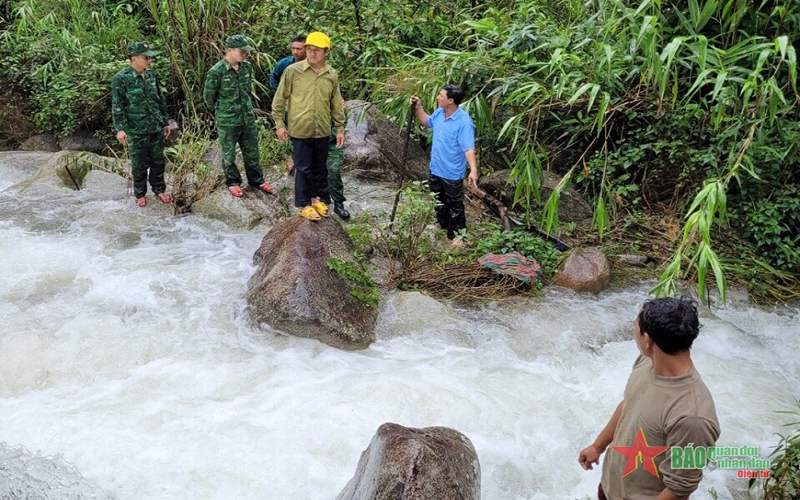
685,112
784,477
364,289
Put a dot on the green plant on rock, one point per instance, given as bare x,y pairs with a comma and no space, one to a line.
364,289
784,477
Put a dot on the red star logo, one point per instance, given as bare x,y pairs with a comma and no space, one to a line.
640,453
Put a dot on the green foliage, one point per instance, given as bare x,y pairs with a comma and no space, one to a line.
532,247
774,225
784,477
364,289
405,239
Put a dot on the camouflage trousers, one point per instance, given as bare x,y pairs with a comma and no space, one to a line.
335,191
247,138
146,152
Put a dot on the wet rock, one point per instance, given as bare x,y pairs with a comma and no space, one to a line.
585,270
24,475
41,142
571,205
253,208
374,147
294,291
69,169
101,184
402,463
83,141
633,260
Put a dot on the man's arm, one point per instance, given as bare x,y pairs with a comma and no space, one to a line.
162,106
337,114
279,105
118,101
667,494
275,74
422,116
210,90
473,168
591,454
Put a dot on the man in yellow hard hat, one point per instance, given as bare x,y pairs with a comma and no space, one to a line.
311,90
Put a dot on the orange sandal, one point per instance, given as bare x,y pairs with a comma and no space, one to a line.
164,197
141,202
235,191
321,208
309,213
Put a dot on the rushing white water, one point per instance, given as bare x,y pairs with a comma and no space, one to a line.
125,347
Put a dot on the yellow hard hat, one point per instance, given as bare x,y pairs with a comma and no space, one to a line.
318,39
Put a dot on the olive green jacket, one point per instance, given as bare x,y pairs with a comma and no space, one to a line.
228,93
137,102
314,101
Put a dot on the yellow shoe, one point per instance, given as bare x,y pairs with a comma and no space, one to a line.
321,208
309,213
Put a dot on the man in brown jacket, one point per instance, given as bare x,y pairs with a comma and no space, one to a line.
665,404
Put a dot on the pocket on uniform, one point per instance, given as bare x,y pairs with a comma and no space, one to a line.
136,97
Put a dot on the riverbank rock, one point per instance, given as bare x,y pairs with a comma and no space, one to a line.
105,185
83,141
585,270
253,208
69,169
41,142
374,147
294,291
402,463
571,205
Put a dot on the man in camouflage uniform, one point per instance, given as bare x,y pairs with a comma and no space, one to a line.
141,121
227,93
335,189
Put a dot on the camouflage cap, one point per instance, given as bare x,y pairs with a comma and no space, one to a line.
239,42
141,49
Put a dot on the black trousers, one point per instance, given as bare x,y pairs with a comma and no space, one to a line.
310,158
450,207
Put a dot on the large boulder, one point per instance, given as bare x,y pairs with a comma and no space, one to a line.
253,208
83,141
41,142
402,463
374,147
571,205
585,270
105,185
294,291
69,169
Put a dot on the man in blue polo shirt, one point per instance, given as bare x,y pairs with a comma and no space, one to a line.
453,148
298,48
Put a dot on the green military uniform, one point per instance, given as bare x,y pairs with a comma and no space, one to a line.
335,190
139,109
227,93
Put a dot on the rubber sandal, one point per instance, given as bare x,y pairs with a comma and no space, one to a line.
321,208
164,197
141,202
235,191
267,188
309,213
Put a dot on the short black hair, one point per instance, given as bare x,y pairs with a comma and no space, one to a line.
300,39
671,323
454,92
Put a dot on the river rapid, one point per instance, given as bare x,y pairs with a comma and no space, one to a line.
125,349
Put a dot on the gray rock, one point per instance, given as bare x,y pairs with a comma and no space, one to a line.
41,142
83,141
105,185
633,260
402,463
571,205
374,147
69,168
24,475
585,270
253,208
294,291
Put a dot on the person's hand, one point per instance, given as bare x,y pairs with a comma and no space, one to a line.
339,140
122,137
588,456
414,101
473,179
167,131
283,134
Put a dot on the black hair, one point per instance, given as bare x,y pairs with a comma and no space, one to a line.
300,39
671,323
454,92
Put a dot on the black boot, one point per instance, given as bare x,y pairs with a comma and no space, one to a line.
338,209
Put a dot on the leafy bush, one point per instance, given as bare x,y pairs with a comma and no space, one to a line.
532,247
